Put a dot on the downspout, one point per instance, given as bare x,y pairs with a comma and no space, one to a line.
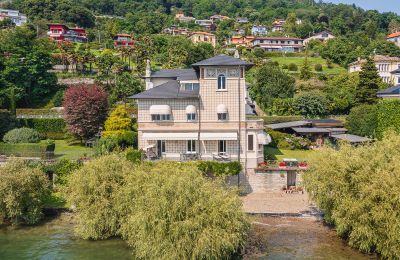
239,126
199,117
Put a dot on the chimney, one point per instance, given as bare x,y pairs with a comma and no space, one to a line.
149,84
237,56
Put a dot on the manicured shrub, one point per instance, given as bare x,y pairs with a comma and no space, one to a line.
85,109
357,189
213,168
21,135
285,66
23,191
49,128
363,120
293,67
318,67
120,126
287,142
7,122
133,155
57,99
43,149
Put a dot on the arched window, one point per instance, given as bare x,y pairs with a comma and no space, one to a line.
221,82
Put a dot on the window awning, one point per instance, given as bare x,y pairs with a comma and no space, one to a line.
190,109
190,136
160,110
221,109
264,138
218,136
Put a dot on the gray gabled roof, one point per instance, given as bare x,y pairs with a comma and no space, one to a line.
351,138
389,91
168,90
178,74
223,60
288,125
305,130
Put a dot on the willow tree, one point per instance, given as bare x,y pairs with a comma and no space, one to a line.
357,188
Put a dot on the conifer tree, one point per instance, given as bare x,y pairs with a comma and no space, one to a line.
369,83
305,72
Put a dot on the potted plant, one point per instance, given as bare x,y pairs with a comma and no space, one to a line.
282,165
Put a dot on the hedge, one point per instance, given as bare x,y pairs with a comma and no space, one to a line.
388,112
212,168
27,150
278,119
48,128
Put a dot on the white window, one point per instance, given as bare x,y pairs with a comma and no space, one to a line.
221,147
191,117
222,116
160,117
221,82
190,86
191,146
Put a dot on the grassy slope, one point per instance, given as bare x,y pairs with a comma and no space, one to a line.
72,152
312,61
289,154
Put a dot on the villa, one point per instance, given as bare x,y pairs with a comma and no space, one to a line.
321,36
394,37
259,30
62,33
123,40
388,68
200,114
206,37
15,16
276,44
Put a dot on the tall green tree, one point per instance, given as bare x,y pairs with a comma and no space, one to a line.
369,83
271,83
305,71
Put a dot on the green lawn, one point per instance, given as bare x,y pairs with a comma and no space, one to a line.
312,61
72,152
289,154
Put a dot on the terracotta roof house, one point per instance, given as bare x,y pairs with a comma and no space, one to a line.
394,37
207,37
278,25
199,113
245,41
218,17
182,18
123,40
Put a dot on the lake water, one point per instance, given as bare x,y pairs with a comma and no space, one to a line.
271,238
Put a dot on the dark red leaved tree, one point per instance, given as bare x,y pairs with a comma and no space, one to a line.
85,109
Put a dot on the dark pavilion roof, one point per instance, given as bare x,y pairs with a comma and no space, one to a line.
390,91
168,90
223,60
178,74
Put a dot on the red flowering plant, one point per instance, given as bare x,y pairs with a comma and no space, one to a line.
262,165
282,164
303,165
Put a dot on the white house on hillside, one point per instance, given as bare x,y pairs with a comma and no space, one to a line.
321,36
388,68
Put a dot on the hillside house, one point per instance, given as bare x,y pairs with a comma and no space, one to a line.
197,37
388,68
176,31
184,19
217,18
245,41
15,16
394,37
276,44
206,24
242,20
278,25
199,113
123,40
321,36
259,30
61,32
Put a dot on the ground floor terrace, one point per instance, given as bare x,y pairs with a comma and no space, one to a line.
217,146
